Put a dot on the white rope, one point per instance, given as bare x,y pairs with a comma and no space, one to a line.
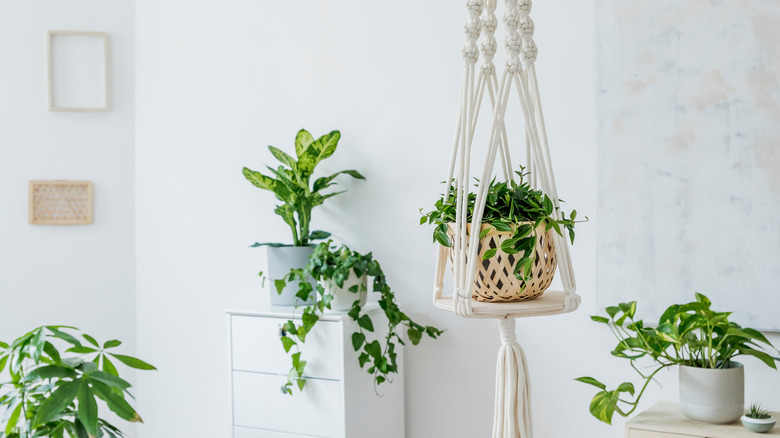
512,414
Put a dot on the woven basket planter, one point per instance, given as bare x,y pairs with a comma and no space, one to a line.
495,281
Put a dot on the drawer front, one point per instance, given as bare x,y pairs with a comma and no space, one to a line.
258,402
256,347
635,433
245,432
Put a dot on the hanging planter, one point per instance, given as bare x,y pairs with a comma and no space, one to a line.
495,281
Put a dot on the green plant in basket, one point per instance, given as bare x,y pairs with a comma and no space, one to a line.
292,185
510,206
53,393
348,271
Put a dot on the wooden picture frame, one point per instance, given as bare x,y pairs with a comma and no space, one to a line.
52,71
60,203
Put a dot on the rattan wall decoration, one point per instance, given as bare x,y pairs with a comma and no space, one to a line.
60,202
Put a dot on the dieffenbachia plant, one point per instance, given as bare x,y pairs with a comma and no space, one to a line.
291,183
57,394
689,334
330,263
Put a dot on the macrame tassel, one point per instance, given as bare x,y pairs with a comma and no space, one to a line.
512,415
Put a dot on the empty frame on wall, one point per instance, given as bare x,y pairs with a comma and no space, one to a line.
78,71
60,202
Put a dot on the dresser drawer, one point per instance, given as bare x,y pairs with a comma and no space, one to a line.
256,347
245,432
259,403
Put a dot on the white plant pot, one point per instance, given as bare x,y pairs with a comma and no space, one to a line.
280,261
712,395
758,425
342,296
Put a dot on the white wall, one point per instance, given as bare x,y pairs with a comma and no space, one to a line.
77,275
218,81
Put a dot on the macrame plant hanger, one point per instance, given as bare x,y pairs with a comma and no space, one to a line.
512,416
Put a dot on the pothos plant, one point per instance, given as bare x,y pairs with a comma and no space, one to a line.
510,207
291,183
689,334
55,394
331,263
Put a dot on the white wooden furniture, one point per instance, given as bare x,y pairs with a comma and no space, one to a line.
338,401
665,420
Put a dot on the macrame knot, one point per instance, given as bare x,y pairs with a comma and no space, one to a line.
529,51
473,29
524,6
511,19
513,65
490,23
506,329
488,68
514,44
475,6
489,47
471,53
527,26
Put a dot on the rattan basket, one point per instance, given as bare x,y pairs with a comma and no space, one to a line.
495,281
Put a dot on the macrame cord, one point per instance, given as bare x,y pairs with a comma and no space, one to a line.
512,417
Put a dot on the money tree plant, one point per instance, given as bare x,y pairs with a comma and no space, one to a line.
56,394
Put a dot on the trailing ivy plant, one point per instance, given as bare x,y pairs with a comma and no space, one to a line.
291,183
689,334
510,206
331,263
55,394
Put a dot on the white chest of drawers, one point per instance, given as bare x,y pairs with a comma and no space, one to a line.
338,400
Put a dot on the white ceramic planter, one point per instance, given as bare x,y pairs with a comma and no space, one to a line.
758,425
342,296
280,261
712,395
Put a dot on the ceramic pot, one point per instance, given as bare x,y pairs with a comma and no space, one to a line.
758,425
342,296
280,261
714,396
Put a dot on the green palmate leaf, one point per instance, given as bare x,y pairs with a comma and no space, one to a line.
88,409
363,359
318,150
287,343
309,319
56,403
133,362
358,339
13,418
91,340
302,141
50,372
109,367
259,180
112,344
280,284
301,383
81,350
116,403
365,322
109,379
591,381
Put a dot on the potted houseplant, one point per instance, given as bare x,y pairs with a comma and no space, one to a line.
515,242
758,419
703,342
342,276
53,393
292,184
